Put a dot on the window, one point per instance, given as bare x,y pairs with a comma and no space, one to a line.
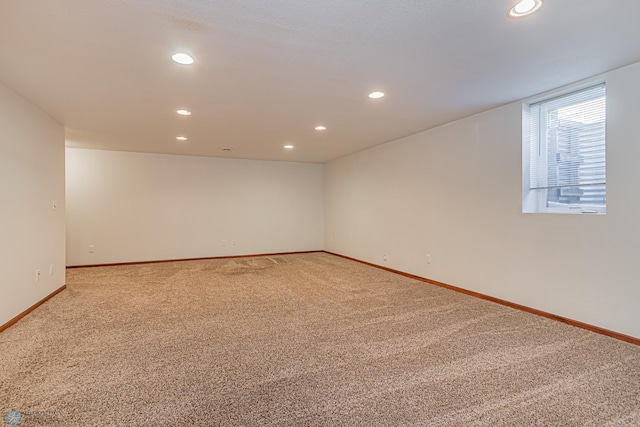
565,142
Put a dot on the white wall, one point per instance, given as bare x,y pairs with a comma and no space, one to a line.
455,192
32,234
139,207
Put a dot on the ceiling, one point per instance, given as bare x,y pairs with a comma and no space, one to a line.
268,72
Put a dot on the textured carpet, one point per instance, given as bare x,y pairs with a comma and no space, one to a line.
308,340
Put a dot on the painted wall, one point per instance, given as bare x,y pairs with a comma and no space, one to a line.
139,207
455,192
32,233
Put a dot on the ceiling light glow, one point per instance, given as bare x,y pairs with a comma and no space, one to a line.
321,127
376,95
524,8
182,58
181,138
288,147
184,112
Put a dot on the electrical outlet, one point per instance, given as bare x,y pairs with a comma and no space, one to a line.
428,258
224,243
384,258
51,270
92,249
37,275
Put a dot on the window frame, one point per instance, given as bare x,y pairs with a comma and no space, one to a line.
534,200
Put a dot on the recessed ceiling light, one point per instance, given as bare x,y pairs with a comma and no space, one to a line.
226,149
376,95
288,147
182,58
181,138
184,112
524,8
321,127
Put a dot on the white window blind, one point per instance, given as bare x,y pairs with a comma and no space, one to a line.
568,151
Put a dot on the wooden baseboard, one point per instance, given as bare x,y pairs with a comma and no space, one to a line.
582,325
30,309
190,259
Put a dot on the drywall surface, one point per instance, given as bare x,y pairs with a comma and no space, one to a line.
137,207
32,233
454,192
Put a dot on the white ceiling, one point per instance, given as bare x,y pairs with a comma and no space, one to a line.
268,72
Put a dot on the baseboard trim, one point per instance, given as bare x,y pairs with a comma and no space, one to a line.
191,259
30,309
576,323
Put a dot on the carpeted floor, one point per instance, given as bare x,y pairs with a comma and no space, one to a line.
302,340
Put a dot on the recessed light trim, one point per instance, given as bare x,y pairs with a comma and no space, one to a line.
288,147
376,95
181,138
184,112
524,8
321,128
226,149
182,58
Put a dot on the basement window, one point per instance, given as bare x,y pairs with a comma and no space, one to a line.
564,153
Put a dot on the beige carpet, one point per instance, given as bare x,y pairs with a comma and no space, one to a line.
304,340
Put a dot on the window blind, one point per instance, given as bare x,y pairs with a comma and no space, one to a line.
568,147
